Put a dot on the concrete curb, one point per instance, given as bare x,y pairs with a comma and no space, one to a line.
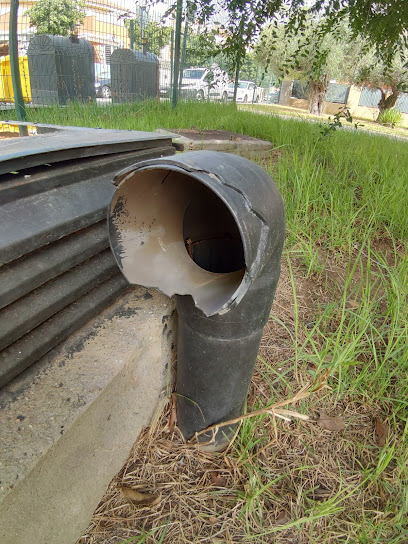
69,429
239,144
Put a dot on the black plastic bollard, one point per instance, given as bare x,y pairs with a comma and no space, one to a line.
209,228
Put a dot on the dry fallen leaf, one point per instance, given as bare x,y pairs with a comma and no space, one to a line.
140,499
320,494
330,423
217,479
381,431
282,518
295,443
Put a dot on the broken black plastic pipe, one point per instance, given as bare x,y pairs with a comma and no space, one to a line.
209,228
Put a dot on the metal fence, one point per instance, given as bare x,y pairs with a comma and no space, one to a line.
118,51
371,97
402,103
337,93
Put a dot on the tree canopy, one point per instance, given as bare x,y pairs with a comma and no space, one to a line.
309,36
383,24
314,60
156,36
56,17
200,47
390,79
295,57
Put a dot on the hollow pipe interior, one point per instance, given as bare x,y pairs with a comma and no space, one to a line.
174,233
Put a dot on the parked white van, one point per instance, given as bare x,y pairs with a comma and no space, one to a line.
205,84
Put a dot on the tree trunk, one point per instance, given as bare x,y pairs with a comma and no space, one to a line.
388,100
317,92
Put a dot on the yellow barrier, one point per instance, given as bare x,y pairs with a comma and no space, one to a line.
8,130
6,86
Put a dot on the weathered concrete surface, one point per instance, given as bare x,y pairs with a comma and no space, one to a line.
218,140
68,424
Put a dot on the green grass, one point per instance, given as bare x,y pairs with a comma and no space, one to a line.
346,201
364,124
348,179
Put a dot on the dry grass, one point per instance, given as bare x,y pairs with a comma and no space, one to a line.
303,484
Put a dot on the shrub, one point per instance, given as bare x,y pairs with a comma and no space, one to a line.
391,117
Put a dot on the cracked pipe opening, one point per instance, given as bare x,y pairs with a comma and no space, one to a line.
168,230
211,226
